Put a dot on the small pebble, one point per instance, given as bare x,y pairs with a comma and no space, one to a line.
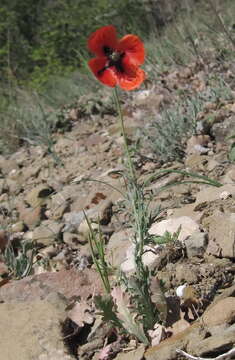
225,195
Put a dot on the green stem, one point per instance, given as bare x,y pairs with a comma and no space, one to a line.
127,151
135,201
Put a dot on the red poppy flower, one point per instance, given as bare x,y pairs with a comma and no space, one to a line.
117,61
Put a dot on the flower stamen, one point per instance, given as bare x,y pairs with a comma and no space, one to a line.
115,56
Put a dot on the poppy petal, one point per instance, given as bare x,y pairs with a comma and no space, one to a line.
105,75
133,47
132,78
106,36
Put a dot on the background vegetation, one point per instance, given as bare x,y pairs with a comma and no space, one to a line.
43,51
41,38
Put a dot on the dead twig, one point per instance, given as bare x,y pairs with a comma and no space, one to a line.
226,355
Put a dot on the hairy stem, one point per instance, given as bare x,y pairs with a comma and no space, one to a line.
130,163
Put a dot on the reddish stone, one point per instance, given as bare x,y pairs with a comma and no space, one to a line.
66,282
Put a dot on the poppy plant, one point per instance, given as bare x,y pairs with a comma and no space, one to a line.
117,61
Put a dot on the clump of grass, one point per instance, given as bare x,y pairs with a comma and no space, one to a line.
97,245
31,122
59,91
19,260
36,116
198,31
166,135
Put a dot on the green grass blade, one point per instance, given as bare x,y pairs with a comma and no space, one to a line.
204,179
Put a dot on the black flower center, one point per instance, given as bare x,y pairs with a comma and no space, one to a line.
114,59
107,51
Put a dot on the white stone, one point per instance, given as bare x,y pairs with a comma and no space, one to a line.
225,195
188,226
180,290
149,258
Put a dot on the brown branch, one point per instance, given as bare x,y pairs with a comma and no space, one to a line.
226,355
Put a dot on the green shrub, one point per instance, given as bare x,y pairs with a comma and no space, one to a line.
39,39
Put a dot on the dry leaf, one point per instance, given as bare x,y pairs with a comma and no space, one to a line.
157,335
230,107
105,352
122,301
3,240
158,298
136,354
80,314
190,296
189,301
180,290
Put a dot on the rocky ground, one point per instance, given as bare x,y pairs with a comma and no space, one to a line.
46,311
